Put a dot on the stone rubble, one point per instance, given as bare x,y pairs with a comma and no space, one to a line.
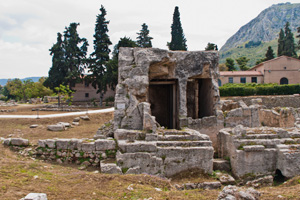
234,193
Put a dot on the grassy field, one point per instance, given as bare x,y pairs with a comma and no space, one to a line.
21,175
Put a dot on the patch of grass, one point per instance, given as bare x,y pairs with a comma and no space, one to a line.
124,170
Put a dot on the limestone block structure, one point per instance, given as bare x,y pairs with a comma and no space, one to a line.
158,92
166,87
261,151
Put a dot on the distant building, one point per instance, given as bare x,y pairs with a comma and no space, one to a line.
85,92
281,70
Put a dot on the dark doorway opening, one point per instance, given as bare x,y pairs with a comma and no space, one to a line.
205,98
162,97
284,81
200,99
279,178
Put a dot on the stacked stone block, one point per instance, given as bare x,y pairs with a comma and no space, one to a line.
261,151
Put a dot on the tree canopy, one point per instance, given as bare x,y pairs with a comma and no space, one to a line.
230,64
111,75
100,56
242,62
269,54
286,44
24,90
178,41
143,39
211,46
68,58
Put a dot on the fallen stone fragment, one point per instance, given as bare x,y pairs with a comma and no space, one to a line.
66,124
234,193
77,119
226,179
36,196
34,126
75,123
19,142
56,127
204,185
86,118
110,168
260,182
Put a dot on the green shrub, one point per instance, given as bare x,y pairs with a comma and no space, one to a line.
249,89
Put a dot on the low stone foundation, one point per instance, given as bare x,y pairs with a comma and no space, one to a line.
261,151
166,153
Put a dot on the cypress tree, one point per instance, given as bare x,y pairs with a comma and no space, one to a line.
289,45
100,56
57,72
178,41
144,40
281,41
75,56
270,54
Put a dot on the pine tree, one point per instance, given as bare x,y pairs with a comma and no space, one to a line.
75,55
230,64
178,41
270,54
57,72
281,42
144,40
289,44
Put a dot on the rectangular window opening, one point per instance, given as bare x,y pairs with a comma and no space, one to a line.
253,79
243,79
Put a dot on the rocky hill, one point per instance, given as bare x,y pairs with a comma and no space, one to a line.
252,39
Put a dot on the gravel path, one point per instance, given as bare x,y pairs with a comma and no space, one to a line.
59,115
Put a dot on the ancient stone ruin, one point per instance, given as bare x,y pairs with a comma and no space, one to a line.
169,119
158,92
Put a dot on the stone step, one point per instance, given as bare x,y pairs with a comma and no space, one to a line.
261,136
136,146
179,138
173,132
271,143
183,143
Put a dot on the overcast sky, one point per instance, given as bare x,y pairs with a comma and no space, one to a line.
28,28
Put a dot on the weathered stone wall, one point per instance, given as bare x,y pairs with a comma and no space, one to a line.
260,151
79,151
138,66
271,101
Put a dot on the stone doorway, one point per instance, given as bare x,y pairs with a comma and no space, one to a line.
163,100
200,98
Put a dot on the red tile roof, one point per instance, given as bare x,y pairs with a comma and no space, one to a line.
241,73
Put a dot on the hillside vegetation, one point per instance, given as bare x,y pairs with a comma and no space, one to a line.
262,30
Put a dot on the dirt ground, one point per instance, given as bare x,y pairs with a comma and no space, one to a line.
21,175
